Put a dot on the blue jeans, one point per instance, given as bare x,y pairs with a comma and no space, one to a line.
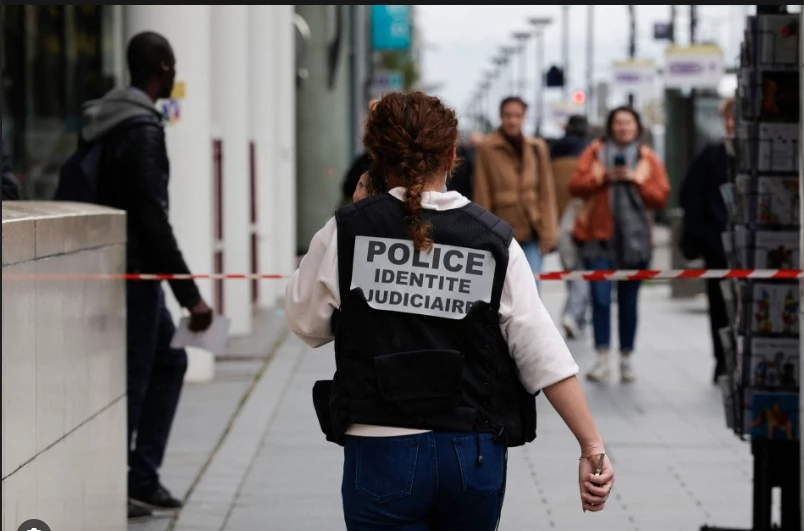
627,295
155,378
426,482
534,255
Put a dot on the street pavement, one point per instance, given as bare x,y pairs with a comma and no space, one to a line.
678,467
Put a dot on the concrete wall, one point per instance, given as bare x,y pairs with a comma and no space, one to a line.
64,367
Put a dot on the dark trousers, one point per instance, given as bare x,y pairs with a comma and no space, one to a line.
718,315
426,482
718,318
155,378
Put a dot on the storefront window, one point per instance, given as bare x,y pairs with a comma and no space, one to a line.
55,58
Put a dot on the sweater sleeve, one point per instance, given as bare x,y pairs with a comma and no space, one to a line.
539,351
589,174
312,294
548,223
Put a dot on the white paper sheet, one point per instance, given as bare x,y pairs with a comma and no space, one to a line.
213,339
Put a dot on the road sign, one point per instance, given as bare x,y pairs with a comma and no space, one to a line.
579,97
662,31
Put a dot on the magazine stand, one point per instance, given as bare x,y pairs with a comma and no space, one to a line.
761,385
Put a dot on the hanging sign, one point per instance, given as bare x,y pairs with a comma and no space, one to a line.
390,27
633,75
698,66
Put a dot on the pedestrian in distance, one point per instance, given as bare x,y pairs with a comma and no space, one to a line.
513,180
441,340
620,181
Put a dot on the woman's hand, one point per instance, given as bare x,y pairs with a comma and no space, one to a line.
361,191
619,173
595,489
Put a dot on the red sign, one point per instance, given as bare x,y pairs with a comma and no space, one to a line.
579,97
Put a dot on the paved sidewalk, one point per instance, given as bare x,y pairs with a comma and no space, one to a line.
678,466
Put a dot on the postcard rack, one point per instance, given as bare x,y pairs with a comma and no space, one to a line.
761,385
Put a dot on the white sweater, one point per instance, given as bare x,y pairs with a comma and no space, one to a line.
540,353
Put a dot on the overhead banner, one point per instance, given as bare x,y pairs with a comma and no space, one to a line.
699,66
634,75
390,28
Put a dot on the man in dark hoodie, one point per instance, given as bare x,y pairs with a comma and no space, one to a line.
134,176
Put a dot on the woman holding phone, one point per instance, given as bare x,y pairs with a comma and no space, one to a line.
620,180
441,340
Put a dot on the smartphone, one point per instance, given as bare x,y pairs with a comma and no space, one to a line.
619,159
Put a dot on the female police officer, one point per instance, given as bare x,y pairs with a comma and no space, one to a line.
441,340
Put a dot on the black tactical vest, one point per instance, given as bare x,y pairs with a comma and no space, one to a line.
417,338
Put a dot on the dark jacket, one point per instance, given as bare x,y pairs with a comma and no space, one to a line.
11,189
461,180
134,177
359,166
564,154
705,214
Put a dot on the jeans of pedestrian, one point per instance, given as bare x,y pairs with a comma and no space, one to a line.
627,297
155,377
533,253
425,482
577,302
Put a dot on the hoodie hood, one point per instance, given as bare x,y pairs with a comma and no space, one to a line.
117,106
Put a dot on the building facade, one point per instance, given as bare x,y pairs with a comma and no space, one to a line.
230,125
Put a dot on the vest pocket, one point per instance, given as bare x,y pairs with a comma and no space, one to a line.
422,382
485,479
385,466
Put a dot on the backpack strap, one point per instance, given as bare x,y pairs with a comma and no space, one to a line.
502,229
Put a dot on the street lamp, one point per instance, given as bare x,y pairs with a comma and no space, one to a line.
540,23
522,37
508,53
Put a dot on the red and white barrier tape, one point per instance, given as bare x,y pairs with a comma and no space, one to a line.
642,274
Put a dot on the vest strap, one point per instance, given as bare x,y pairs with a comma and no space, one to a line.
499,227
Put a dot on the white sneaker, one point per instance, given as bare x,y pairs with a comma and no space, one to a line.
571,328
626,371
599,371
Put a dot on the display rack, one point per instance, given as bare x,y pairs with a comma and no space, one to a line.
761,385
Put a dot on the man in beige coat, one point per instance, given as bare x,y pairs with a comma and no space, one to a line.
514,181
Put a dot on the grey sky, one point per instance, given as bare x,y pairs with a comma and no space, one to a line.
461,41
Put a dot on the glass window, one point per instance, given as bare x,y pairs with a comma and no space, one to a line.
55,58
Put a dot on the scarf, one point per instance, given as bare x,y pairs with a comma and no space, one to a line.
516,142
631,238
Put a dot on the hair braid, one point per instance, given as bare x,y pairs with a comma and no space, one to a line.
411,138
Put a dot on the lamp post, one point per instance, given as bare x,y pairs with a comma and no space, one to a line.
565,47
539,23
632,43
590,37
500,63
521,37
508,53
